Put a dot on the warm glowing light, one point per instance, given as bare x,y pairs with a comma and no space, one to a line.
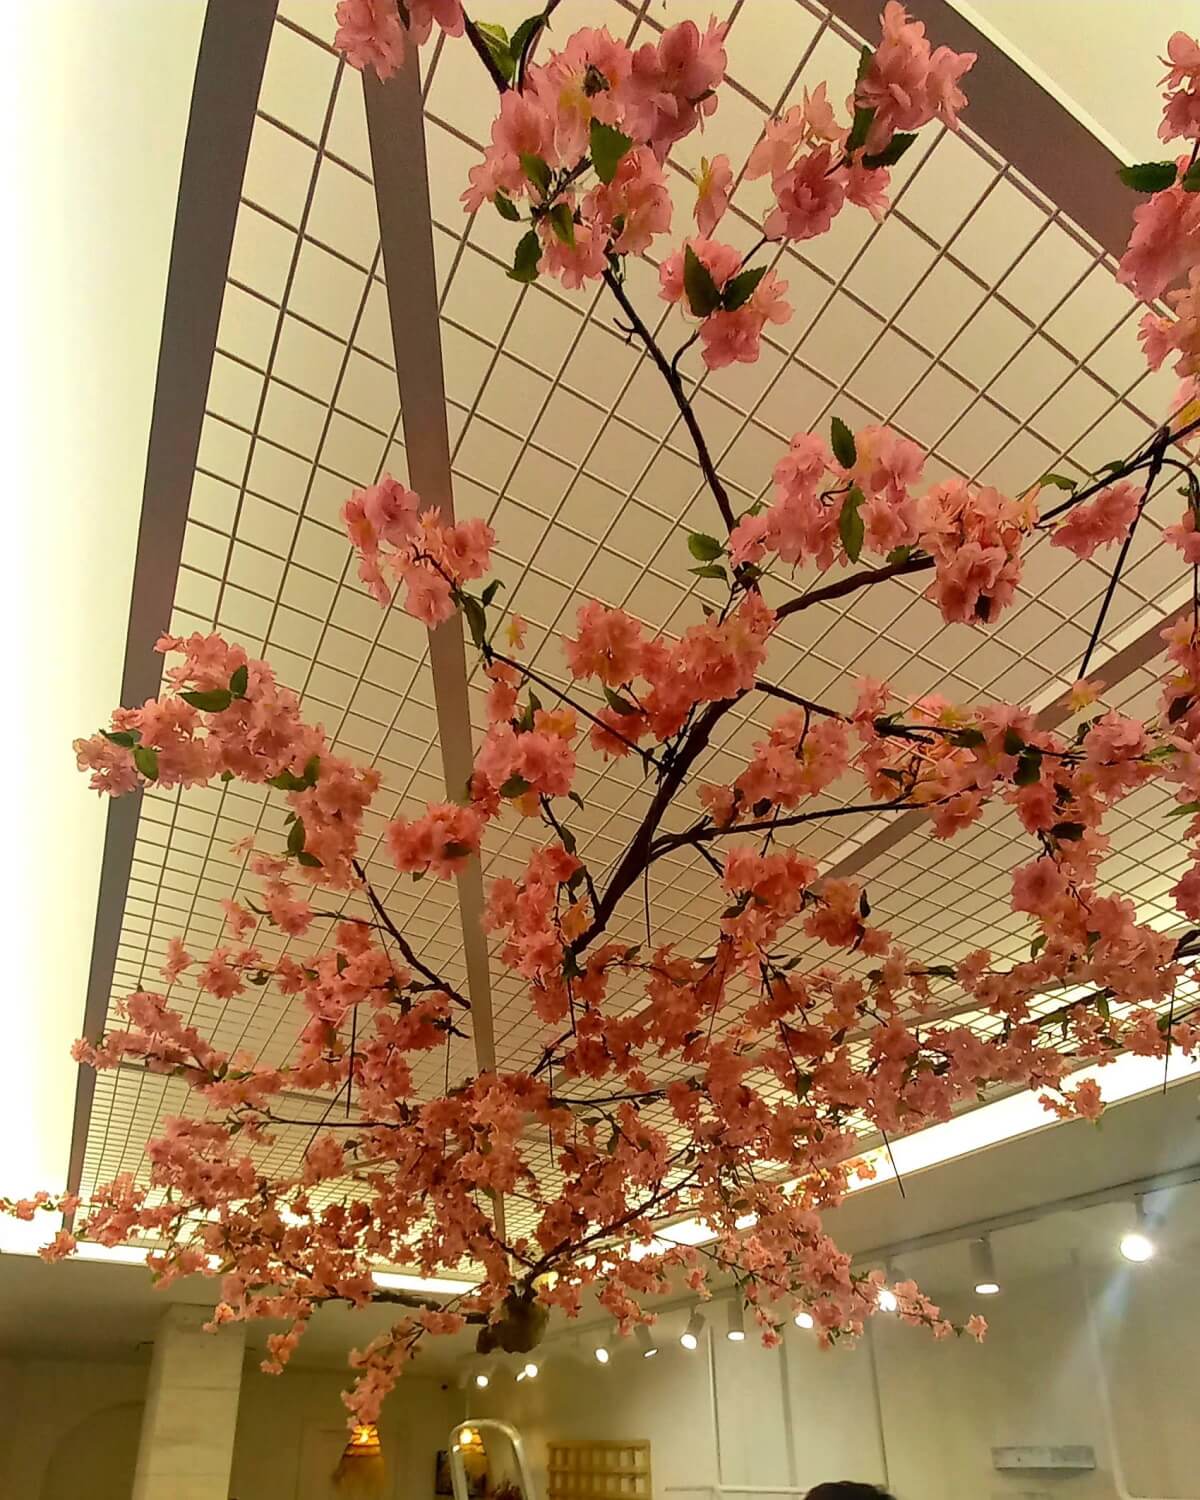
888,1301
1136,1247
602,1354
804,1320
365,1435
402,1282
983,1268
646,1345
528,1371
483,1380
690,1337
736,1332
468,1437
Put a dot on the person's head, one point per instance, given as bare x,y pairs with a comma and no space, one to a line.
848,1489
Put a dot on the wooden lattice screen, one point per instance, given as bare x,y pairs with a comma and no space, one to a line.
599,1471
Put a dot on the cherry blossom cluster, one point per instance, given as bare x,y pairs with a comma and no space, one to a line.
1162,259
389,529
731,1080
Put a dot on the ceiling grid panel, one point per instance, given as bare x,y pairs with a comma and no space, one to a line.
981,319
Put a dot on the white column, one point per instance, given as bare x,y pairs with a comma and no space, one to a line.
186,1447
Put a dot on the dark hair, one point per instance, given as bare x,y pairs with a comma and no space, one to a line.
848,1489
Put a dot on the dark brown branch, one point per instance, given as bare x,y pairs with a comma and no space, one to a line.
675,383
404,945
698,833
483,52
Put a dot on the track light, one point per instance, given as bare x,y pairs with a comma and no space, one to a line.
1137,1245
804,1319
983,1267
690,1337
647,1348
528,1371
737,1321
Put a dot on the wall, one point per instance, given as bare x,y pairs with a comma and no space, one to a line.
69,1428
292,1429
743,1416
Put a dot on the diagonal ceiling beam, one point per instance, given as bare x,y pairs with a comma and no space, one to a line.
396,128
1010,110
229,69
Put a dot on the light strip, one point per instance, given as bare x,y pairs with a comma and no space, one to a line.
400,1281
1019,1115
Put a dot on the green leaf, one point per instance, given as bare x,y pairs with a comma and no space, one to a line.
226,775
209,703
507,209
491,591
618,704
704,548
287,781
892,152
311,766
525,261
1013,742
310,860
295,838
1103,1007
1029,767
864,118
476,619
515,786
1178,708
968,739
608,147
536,171
126,738
1067,831
562,223
1186,810
900,554
1148,176
1190,181
711,570
145,758
522,35
240,681
577,800
568,839
850,524
702,294
841,440
496,39
1037,945
1161,752
1059,481
739,289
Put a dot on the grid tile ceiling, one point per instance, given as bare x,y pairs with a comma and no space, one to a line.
976,319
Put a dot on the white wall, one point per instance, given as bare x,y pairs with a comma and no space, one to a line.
69,1429
740,1415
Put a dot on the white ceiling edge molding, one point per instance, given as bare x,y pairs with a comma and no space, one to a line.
85,289
990,1125
1124,39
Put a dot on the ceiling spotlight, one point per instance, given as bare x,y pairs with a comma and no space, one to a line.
647,1348
482,1379
528,1371
690,1337
1137,1245
887,1301
804,1319
602,1354
737,1321
983,1267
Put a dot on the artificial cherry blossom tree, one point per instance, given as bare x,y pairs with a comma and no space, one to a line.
778,1061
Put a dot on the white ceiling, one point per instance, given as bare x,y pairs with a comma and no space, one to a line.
567,444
